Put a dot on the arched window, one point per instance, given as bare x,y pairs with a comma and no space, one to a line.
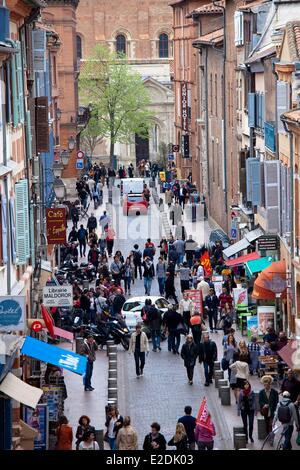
79,47
121,44
163,46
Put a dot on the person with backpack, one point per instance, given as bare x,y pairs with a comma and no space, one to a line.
268,400
137,260
148,274
286,413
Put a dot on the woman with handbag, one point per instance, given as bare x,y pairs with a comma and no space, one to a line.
189,353
114,422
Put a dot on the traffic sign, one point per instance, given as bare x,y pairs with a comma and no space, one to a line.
79,165
234,233
80,154
175,148
171,157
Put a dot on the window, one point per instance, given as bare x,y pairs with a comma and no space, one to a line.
121,44
163,47
79,47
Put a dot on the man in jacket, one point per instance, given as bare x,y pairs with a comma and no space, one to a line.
161,269
288,407
268,399
170,287
148,274
137,261
73,235
82,238
189,354
190,247
211,306
189,422
208,354
139,345
155,321
184,273
180,250
118,302
89,349
155,441
171,321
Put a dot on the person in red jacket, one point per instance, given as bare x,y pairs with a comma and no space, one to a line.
225,298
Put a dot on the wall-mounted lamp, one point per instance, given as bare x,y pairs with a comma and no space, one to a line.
71,143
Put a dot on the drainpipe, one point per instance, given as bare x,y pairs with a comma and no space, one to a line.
224,130
291,150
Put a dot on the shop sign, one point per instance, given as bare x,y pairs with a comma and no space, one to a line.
184,107
267,242
12,313
38,419
58,296
56,226
266,318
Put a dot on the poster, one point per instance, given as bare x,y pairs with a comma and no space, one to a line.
266,318
252,326
12,313
196,296
38,419
162,176
54,395
240,297
218,283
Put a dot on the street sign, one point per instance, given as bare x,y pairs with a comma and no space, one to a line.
79,165
80,154
234,233
175,148
171,157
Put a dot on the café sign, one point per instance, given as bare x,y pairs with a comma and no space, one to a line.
56,226
12,313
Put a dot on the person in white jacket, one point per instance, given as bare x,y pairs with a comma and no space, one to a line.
139,345
186,309
241,370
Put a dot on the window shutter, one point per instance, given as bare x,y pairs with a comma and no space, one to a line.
20,80
42,124
22,222
39,50
262,100
238,28
243,185
31,107
12,230
251,109
288,200
15,95
283,103
272,194
283,199
28,136
32,253
253,174
4,228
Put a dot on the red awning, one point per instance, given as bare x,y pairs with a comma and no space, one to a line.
242,259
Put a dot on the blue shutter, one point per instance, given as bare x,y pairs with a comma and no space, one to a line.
253,174
12,230
22,222
283,103
32,236
4,228
251,110
20,82
15,96
270,136
39,50
272,194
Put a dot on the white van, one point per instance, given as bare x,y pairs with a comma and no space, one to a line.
132,185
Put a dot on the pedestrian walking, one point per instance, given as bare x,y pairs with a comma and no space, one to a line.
127,436
82,239
91,223
211,306
230,349
190,247
170,291
179,246
114,423
161,269
184,275
104,221
172,320
89,441
89,348
154,319
254,353
197,326
64,435
189,354
128,275
168,197
189,423
93,256
205,436
116,270
83,427
247,408
163,248
110,239
268,400
73,235
292,385
139,345
137,260
241,369
179,440
186,309
286,413
148,274
154,440
74,212
208,354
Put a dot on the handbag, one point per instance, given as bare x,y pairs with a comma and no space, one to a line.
264,411
224,364
181,328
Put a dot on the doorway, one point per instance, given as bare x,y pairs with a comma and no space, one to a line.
141,148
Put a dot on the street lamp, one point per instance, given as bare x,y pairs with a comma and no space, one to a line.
57,169
59,188
58,114
71,143
65,157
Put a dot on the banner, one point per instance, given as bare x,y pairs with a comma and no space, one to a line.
266,318
240,297
203,417
56,226
205,262
218,283
252,327
58,296
38,419
196,296
12,313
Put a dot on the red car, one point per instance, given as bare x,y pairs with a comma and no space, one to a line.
135,204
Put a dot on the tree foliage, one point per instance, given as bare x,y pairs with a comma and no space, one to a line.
91,136
118,97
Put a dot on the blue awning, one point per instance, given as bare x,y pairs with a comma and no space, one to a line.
57,356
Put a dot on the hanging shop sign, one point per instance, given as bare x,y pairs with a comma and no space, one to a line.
267,242
56,226
184,107
58,296
57,356
38,419
12,313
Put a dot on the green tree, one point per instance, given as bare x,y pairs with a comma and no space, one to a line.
91,136
118,97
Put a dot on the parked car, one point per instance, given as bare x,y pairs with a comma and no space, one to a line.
135,204
132,309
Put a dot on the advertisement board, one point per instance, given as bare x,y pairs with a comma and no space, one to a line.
218,283
252,327
12,313
38,419
196,296
266,318
56,226
58,296
240,297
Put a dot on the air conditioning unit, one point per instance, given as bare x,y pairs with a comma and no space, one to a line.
4,24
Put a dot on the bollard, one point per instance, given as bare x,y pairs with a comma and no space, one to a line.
222,383
112,382
112,356
112,373
261,428
112,392
256,394
237,430
113,364
240,441
219,374
217,365
225,396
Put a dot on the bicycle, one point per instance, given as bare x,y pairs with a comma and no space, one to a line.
271,437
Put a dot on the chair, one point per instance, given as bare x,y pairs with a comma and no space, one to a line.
84,212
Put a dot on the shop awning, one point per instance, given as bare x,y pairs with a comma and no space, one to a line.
57,356
20,391
242,259
243,243
272,281
256,266
289,354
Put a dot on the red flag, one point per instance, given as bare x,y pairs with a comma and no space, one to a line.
48,320
205,262
203,417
